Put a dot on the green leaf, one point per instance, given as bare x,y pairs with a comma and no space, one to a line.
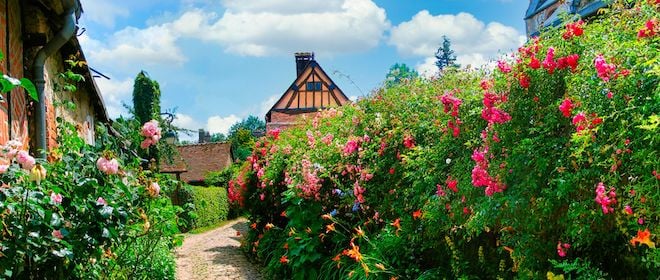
30,88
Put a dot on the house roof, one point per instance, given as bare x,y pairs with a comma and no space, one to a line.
196,160
314,66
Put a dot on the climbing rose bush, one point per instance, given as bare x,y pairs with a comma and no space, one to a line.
553,173
90,212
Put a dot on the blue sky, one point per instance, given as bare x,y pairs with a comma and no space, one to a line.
219,61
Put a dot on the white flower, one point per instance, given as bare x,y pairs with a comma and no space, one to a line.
448,161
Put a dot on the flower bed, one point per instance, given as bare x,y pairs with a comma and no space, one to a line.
546,166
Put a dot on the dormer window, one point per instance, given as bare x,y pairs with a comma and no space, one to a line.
313,86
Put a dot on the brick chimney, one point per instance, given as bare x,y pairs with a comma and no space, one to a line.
204,136
302,59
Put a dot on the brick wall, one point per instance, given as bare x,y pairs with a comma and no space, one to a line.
283,120
10,20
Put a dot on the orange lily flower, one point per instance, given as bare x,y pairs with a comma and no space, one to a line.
284,259
354,253
253,226
326,216
643,237
330,227
397,225
417,214
360,232
269,226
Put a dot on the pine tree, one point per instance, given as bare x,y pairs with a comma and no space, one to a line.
445,55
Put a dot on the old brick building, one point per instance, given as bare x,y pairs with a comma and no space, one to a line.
195,161
311,91
26,28
543,13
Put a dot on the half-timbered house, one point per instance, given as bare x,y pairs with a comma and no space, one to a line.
311,91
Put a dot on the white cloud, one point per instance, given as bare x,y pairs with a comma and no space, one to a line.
427,68
219,124
283,6
115,92
473,41
253,28
103,12
259,28
132,47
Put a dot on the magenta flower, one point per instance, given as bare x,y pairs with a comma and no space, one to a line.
562,249
628,210
107,166
604,198
503,66
566,107
549,63
606,71
350,147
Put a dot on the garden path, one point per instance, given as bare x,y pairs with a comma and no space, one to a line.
215,254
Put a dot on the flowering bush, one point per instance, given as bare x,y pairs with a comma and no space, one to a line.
89,213
553,170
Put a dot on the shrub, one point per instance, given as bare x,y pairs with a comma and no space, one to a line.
529,171
211,205
91,212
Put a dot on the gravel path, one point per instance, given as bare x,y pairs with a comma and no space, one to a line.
215,254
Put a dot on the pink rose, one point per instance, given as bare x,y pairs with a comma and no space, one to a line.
108,166
25,160
101,202
55,198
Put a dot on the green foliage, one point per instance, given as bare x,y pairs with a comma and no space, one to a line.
111,225
211,205
146,98
8,83
221,178
365,190
399,73
252,123
242,142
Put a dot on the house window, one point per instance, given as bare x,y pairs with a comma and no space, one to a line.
313,86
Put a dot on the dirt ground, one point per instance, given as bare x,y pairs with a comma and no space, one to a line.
215,255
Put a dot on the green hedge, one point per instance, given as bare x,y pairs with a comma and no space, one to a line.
530,171
211,205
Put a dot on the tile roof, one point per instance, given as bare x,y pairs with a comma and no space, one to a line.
196,160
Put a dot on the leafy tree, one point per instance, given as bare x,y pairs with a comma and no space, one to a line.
445,55
242,142
146,98
218,137
242,136
398,73
251,123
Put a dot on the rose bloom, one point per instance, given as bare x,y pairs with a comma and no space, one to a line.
108,166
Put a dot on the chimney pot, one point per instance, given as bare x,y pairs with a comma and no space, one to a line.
302,59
